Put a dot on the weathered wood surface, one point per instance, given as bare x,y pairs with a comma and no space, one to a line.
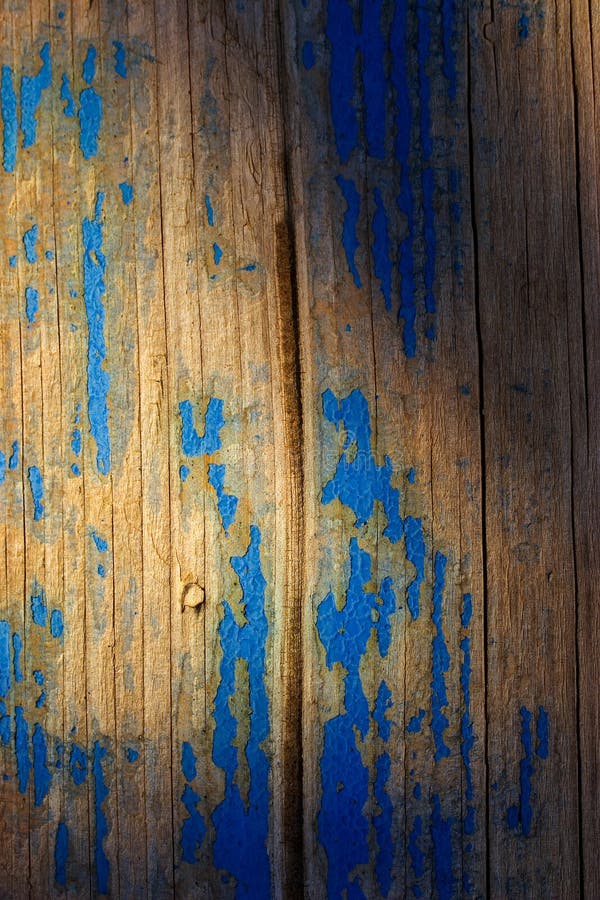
299,449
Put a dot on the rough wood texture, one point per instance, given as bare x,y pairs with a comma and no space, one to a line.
299,449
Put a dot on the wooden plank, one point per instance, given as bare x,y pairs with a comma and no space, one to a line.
525,208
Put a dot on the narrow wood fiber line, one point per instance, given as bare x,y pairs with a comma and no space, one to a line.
482,442
572,456
290,329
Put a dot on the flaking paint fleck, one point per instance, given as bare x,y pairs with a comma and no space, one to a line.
36,485
349,238
440,663
31,96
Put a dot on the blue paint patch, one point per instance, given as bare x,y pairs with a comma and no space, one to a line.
42,778
56,624
37,492
90,121
374,78
188,761
75,469
193,828
184,472
415,554
467,612
17,651
31,95
120,65
49,255
9,119
344,42
132,755
100,542
382,704
78,765
39,607
523,26
251,267
217,254
22,749
349,238
2,467
241,831
441,834
13,462
440,663
12,261
100,795
308,55
126,192
210,213
427,175
4,658
382,249
98,380
101,571
383,824
210,442
405,200
543,733
358,481
227,503
61,854
522,815
414,725
466,731
76,441
32,304
89,65
29,242
449,65
67,97
38,676
4,727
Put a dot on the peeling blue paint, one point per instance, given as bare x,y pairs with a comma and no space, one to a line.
523,26
61,854
449,65
98,380
241,831
39,607
126,192
67,97
308,55
467,734
32,304
76,441
29,242
90,121
78,764
427,175
41,773
382,249
120,64
374,78
383,824
17,650
358,481
349,238
5,728
4,658
56,623
344,42
522,815
31,95
382,704
188,761
2,467
22,749
441,834
210,442
415,554
132,755
416,855
41,700
193,828
12,261
415,723
38,676
89,65
210,213
13,461
440,663
100,542
9,119
217,254
37,492
542,733
100,795
184,471
226,503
